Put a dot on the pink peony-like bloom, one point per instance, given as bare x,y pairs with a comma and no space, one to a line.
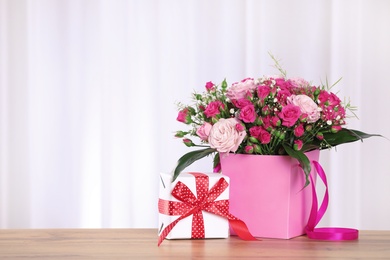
204,131
248,114
213,108
307,106
289,115
299,82
224,136
241,89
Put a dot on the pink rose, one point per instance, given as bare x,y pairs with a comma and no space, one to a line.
212,109
284,84
282,96
240,103
240,127
224,137
203,131
249,149
217,168
264,137
298,145
241,89
255,131
209,86
289,115
307,106
299,130
184,116
263,91
247,114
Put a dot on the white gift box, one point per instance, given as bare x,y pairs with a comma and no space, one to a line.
214,226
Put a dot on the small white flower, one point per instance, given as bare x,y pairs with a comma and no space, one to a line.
338,117
329,122
275,100
231,111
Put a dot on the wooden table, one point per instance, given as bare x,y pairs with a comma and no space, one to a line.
142,244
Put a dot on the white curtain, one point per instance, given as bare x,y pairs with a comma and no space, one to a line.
88,92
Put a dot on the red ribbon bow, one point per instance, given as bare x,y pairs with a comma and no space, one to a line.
189,204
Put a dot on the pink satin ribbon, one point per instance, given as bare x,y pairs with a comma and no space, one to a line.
331,233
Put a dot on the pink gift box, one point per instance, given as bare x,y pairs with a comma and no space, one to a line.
214,226
266,192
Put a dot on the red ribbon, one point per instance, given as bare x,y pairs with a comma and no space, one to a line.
189,204
316,215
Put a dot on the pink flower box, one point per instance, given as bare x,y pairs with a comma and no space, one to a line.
266,192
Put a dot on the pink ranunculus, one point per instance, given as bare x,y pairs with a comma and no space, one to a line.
213,108
204,131
248,114
289,115
224,136
241,89
307,106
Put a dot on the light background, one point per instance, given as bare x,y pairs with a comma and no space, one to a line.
88,92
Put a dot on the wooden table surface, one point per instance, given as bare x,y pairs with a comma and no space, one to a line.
142,244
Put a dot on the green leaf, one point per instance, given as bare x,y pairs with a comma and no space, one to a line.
346,136
187,159
302,159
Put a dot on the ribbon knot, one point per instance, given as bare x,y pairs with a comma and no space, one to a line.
189,204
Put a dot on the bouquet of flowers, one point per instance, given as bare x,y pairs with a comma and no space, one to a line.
271,115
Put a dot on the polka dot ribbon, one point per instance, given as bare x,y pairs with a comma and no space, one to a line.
189,204
332,233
